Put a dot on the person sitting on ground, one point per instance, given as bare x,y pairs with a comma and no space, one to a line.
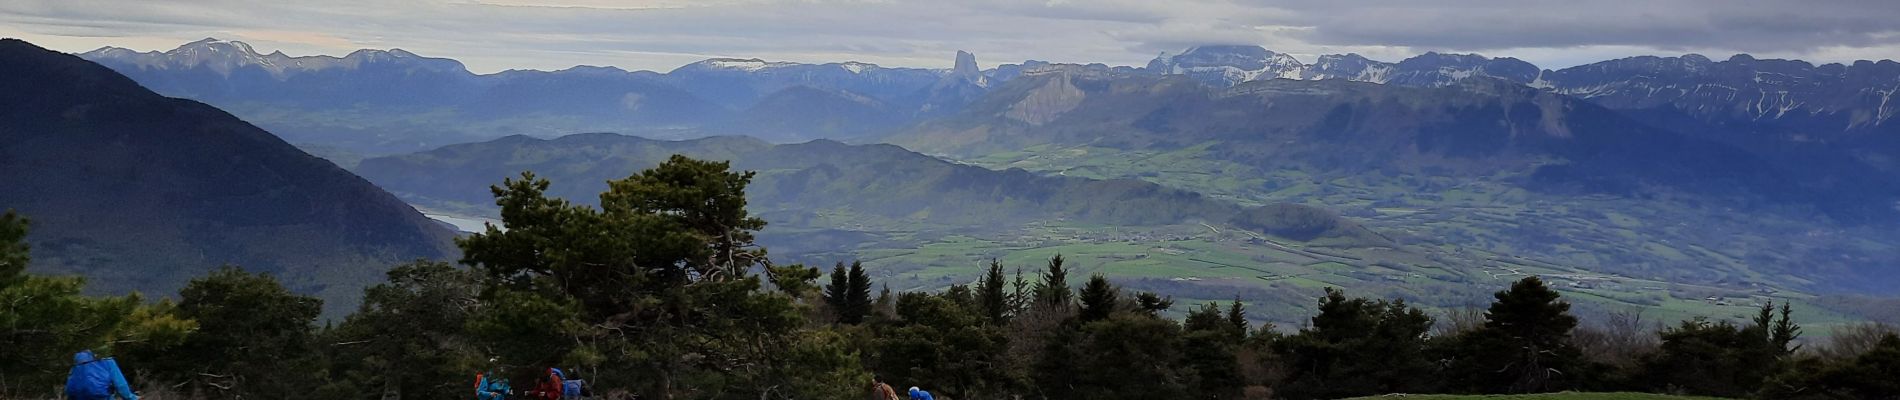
490,387
920,394
95,378
548,387
573,387
881,390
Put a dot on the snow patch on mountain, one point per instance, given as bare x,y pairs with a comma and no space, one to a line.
225,57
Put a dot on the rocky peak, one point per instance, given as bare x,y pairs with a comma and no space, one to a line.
966,66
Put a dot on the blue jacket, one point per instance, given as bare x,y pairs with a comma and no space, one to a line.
97,379
920,394
491,387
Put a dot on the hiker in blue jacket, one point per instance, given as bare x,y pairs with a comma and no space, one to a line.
490,386
920,394
97,379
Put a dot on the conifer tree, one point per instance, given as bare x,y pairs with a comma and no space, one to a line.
1054,288
1152,304
1356,347
858,297
1206,318
1237,319
1098,299
1785,331
1528,332
837,294
990,295
1022,292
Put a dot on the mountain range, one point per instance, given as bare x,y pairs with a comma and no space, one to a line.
393,101
1838,115
137,191
1473,129
1713,178
390,101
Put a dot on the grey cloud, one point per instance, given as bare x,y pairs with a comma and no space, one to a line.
1744,25
660,34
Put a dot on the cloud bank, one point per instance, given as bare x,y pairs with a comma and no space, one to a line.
492,35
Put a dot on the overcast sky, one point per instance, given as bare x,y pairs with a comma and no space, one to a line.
493,35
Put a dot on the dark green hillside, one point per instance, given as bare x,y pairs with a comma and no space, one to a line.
141,192
796,181
1305,223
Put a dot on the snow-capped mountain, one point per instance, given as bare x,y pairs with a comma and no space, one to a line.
1790,99
1835,122
1223,66
220,71
1811,100
227,57
1228,65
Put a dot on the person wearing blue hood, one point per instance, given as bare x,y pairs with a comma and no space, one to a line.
920,394
97,379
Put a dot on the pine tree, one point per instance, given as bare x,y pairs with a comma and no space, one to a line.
1785,331
409,330
1054,288
1356,347
1237,319
656,281
254,337
1153,304
1710,359
858,295
1021,293
1131,357
1212,352
1206,318
1764,320
1530,325
991,296
1099,299
837,294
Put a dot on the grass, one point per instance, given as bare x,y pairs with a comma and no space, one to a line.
1546,396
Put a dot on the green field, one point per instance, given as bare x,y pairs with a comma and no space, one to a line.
1675,260
1278,278
1548,396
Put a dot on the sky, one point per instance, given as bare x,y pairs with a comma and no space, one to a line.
494,35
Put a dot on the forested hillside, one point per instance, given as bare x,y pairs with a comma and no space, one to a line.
140,192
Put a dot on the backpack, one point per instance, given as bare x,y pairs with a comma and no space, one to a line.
571,388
